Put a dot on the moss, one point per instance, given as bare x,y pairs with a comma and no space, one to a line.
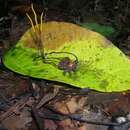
102,29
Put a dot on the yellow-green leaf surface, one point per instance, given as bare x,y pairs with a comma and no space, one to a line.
101,67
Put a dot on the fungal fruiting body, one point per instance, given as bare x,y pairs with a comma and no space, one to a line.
64,63
36,32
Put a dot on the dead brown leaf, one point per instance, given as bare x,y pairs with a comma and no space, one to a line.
49,124
71,105
17,122
120,106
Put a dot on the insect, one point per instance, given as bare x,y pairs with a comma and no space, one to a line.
62,60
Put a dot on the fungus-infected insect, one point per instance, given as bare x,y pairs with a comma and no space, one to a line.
67,64
62,60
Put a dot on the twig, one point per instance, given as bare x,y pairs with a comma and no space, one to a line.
72,117
37,119
15,108
47,98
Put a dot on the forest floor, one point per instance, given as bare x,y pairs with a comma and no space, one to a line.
27,103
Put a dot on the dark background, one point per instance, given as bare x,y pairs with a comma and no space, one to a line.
115,13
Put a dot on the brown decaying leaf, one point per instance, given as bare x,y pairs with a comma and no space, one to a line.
68,124
49,124
18,122
120,106
71,105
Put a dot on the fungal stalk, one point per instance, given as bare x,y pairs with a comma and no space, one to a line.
37,32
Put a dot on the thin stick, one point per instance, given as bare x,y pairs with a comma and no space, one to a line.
37,119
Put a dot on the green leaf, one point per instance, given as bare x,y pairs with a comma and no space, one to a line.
101,67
